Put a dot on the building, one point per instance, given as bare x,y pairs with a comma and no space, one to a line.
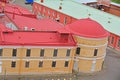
104,5
30,46
91,43
39,45
63,12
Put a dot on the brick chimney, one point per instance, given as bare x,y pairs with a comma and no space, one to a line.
60,7
41,1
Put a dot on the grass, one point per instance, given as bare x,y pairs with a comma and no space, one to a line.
116,1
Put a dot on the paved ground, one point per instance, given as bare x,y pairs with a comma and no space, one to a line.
111,69
22,3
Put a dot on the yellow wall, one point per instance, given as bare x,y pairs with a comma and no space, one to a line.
88,41
34,61
86,57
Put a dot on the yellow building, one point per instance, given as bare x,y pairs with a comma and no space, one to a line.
91,41
41,46
36,60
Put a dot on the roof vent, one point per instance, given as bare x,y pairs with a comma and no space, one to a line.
25,28
2,14
32,29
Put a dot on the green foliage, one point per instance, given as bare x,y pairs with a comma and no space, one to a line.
116,1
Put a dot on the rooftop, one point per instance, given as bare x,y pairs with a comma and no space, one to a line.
46,32
22,21
29,38
85,1
87,28
108,21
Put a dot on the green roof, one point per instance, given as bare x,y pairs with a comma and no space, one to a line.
76,10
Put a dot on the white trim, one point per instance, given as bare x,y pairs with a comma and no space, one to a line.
42,47
37,59
85,58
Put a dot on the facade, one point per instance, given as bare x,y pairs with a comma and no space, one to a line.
90,45
66,14
39,45
36,60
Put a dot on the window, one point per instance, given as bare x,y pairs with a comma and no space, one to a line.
28,53
118,44
36,7
13,64
112,41
66,63
53,14
65,20
42,53
78,50
48,11
95,52
1,51
54,64
44,10
55,53
40,8
27,64
58,18
14,52
68,52
40,63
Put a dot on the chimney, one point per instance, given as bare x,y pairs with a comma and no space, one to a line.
32,29
42,1
60,7
25,28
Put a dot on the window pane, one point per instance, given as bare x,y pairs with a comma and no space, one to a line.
53,63
68,52
13,64
65,20
118,43
112,41
28,53
66,63
42,52
95,52
41,64
14,52
1,51
27,64
78,50
55,52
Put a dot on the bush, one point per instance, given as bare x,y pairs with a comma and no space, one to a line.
116,1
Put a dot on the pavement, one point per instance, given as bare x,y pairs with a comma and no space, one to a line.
111,69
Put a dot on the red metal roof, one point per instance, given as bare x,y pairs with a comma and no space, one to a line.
47,32
36,38
22,21
87,28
